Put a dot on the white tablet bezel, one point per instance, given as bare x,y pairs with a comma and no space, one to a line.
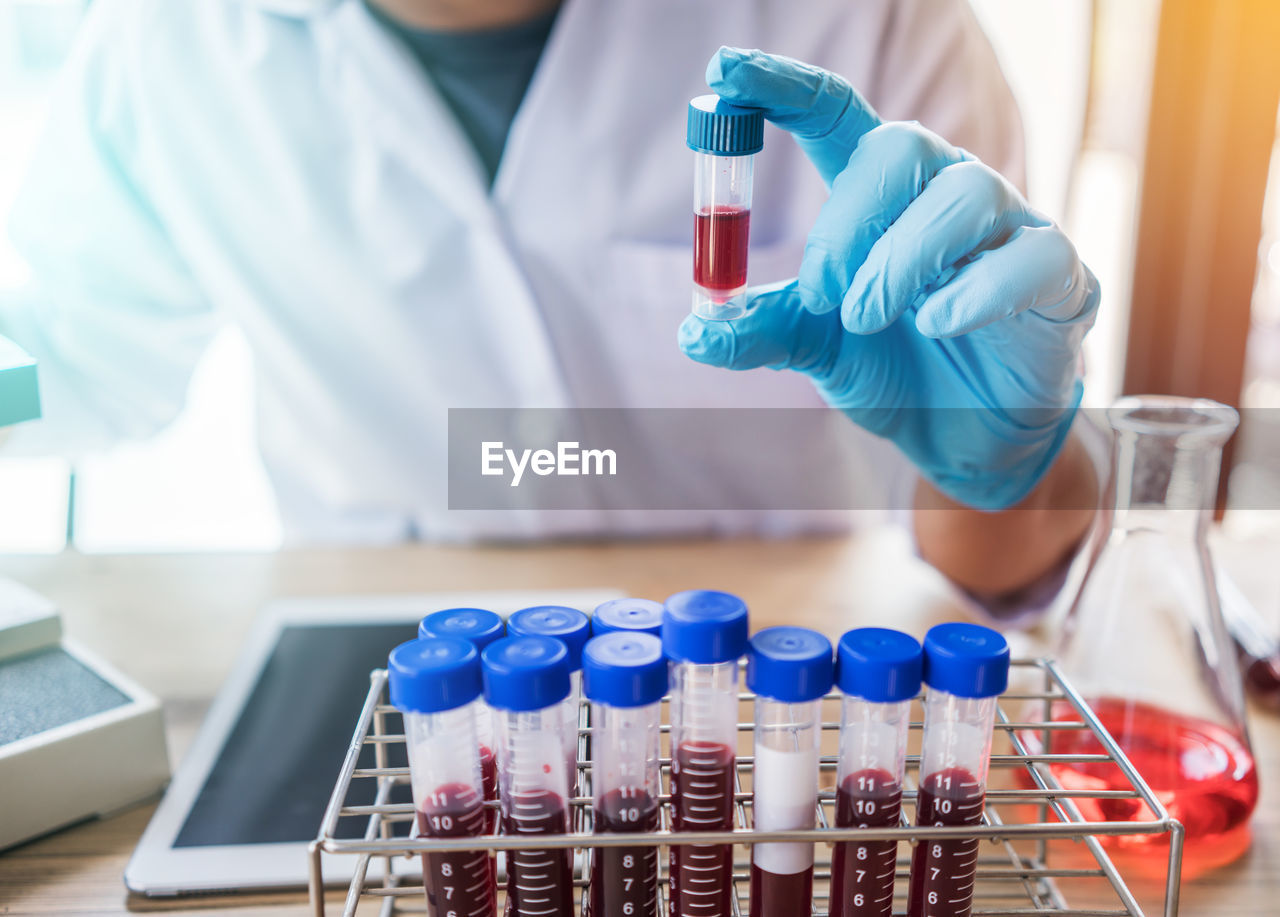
159,869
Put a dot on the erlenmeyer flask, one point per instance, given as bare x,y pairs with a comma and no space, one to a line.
1146,644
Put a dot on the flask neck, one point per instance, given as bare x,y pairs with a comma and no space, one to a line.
1161,486
1166,457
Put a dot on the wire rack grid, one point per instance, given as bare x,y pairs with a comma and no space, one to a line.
1027,809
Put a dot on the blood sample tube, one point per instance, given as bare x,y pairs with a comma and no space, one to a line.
878,673
435,684
625,678
572,628
789,669
640,615
526,680
481,627
965,668
725,139
704,634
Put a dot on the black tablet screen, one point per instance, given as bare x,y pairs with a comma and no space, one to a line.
281,759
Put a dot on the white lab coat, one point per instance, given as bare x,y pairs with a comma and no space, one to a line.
287,166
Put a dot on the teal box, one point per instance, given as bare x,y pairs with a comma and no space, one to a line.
19,392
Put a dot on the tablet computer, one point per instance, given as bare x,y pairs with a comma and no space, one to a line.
249,795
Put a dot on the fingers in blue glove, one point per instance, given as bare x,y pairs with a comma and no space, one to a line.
1036,270
821,110
963,211
777,332
888,170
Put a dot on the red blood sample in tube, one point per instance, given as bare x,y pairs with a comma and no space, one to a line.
780,895
942,872
489,781
862,874
460,882
624,880
702,800
720,248
539,882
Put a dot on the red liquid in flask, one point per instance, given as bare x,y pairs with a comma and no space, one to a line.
624,880
862,874
459,883
942,872
702,800
1202,773
720,249
780,895
539,882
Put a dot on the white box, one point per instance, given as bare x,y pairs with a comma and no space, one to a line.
77,738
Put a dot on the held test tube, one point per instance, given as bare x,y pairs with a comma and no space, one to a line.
704,634
625,677
725,139
965,667
526,680
435,684
789,669
479,627
573,629
878,673
639,615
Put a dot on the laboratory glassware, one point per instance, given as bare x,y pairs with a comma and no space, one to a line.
878,672
625,678
790,670
435,683
526,680
1147,645
640,615
704,634
966,667
725,139
480,627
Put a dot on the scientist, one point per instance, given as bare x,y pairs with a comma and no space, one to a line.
409,206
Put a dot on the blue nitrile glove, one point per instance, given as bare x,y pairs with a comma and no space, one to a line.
933,306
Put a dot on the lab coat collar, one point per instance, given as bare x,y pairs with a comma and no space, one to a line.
383,90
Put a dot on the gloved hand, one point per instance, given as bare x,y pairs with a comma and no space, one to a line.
933,306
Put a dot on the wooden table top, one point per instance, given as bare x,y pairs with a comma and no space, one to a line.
137,611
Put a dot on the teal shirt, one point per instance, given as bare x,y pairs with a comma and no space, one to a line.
482,75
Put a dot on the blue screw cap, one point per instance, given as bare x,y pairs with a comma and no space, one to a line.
704,626
525,673
624,669
428,676
479,625
791,664
880,665
716,127
966,660
639,615
566,624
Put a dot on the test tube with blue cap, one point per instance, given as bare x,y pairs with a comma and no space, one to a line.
573,628
725,139
966,667
638,615
790,670
625,678
878,672
480,627
704,635
526,680
435,683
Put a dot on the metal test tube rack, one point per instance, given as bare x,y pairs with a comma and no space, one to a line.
1015,877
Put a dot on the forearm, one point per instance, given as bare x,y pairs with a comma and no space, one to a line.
995,554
